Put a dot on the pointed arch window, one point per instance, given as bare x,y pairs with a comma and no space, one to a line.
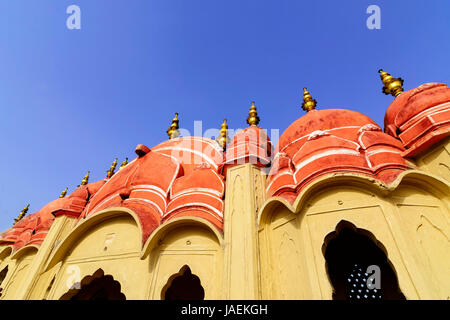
96,287
183,286
3,274
349,252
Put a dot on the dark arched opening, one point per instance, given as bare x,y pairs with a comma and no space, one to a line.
348,256
96,287
184,286
3,274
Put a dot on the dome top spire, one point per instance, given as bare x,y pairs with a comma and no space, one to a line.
22,214
85,179
110,172
173,132
124,163
223,139
308,102
63,194
253,118
393,86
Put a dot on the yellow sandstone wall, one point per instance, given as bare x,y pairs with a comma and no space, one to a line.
411,224
269,249
437,160
191,246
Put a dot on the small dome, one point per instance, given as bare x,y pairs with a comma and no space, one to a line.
419,117
33,228
249,145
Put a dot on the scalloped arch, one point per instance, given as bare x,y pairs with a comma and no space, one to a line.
87,224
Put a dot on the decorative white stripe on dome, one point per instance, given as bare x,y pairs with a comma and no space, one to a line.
101,203
383,150
203,191
153,192
161,213
317,134
328,130
357,146
150,187
433,110
202,210
288,173
200,204
324,154
369,127
177,170
201,154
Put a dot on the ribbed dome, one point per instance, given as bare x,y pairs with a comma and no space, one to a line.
419,117
315,120
249,145
329,141
179,177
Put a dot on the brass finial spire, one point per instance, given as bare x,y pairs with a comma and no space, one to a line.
223,139
124,163
308,102
110,172
63,194
173,132
392,85
85,179
22,214
253,118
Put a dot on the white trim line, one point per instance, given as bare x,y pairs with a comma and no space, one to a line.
324,154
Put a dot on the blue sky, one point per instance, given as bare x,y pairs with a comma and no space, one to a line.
73,100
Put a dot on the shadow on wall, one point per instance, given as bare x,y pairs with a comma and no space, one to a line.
3,274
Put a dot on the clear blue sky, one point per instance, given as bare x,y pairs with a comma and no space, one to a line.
72,100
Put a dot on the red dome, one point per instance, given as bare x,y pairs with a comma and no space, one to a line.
249,145
327,119
33,228
420,117
178,177
332,140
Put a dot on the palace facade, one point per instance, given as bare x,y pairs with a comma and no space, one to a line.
340,210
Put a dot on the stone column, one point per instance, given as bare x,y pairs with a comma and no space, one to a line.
245,191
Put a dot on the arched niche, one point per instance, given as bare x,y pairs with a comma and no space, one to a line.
291,235
282,252
423,215
5,252
110,240
184,242
3,273
18,266
358,267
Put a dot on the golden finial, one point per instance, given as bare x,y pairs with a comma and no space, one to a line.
63,194
223,139
110,172
173,132
308,102
22,214
392,85
253,118
124,163
85,179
